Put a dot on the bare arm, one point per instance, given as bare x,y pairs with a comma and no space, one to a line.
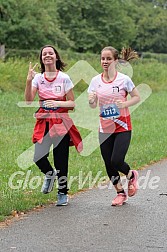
30,91
135,98
64,104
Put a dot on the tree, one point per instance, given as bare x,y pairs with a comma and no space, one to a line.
94,24
84,25
30,24
150,23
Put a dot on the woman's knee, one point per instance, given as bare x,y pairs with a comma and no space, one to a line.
38,158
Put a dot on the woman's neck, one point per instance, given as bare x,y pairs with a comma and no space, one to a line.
50,72
109,75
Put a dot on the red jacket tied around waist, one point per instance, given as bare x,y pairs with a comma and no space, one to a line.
59,124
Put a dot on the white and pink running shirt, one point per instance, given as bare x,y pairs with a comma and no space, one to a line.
55,89
107,93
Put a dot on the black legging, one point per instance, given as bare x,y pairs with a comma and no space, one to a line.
113,150
60,155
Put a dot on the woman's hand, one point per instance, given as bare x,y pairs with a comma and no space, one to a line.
120,104
50,104
135,98
31,72
92,97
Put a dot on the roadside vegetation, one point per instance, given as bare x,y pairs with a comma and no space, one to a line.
20,187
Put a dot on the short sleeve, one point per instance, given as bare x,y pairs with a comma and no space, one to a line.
91,87
67,84
35,81
129,85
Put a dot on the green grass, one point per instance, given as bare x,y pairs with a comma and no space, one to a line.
148,143
13,72
151,73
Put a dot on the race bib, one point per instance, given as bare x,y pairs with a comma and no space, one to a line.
109,111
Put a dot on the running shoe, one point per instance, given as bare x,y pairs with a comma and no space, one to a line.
62,199
133,184
119,199
48,182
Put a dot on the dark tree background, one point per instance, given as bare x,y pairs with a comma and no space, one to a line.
85,25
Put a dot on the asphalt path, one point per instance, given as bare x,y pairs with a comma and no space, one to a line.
90,224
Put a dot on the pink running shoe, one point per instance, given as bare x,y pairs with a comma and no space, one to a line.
133,184
119,199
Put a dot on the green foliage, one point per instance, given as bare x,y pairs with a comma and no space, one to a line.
162,58
150,29
152,73
30,24
150,70
84,25
95,24
13,74
151,25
